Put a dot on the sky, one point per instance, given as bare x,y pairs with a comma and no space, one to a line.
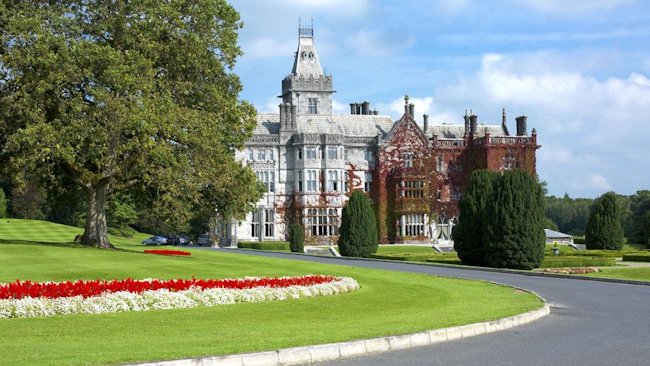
580,71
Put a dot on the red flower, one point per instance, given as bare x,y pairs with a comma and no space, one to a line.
20,289
166,252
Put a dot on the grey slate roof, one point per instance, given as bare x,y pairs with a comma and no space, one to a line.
551,234
361,125
453,132
346,125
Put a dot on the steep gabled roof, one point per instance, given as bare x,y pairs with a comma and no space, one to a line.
406,123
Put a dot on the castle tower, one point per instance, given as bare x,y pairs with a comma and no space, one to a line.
307,87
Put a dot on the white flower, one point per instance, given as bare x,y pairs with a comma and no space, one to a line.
123,301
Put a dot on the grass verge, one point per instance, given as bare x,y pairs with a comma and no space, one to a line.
387,303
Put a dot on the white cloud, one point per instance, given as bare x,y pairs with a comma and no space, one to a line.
592,130
599,182
340,108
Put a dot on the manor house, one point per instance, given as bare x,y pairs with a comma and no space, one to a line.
310,160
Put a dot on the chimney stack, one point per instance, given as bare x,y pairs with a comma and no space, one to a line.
521,125
426,122
412,109
466,117
365,108
473,122
406,104
353,108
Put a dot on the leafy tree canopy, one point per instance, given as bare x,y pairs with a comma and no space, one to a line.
117,95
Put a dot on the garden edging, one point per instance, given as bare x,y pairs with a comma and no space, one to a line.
324,352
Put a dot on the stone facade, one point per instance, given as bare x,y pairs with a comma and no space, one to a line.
311,160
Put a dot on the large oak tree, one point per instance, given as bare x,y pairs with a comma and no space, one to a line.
116,94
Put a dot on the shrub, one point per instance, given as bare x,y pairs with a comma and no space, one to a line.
264,245
358,233
604,229
123,231
297,238
515,232
470,232
637,257
578,261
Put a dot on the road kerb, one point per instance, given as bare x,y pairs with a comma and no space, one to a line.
309,354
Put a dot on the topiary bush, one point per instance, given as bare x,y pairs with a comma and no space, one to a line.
604,229
515,232
470,232
297,238
358,233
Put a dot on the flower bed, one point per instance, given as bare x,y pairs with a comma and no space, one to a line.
30,299
166,252
570,270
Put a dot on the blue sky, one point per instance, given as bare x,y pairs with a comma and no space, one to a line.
580,71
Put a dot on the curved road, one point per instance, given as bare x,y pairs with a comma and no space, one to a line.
591,323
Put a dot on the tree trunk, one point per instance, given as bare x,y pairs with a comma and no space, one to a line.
96,232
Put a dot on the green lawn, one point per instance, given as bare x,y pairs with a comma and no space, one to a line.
387,303
624,273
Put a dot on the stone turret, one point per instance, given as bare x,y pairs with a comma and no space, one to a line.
307,87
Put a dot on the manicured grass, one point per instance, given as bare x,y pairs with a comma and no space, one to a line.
387,303
639,274
402,249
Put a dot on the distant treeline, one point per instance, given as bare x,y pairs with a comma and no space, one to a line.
569,215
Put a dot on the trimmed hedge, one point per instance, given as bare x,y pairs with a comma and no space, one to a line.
264,245
577,261
637,257
578,240
420,257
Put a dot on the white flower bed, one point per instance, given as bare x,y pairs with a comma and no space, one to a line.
164,299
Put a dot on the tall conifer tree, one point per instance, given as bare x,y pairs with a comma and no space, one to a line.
358,233
515,234
604,229
470,232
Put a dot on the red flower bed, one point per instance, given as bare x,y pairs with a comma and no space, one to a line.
166,252
20,289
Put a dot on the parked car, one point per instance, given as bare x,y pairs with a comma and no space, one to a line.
155,240
181,239
204,239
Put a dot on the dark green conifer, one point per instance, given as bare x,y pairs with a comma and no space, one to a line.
358,233
604,229
297,238
470,232
515,233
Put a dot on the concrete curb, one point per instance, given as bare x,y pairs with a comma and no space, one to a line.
324,352
473,268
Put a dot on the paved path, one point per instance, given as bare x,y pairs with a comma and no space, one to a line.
591,323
